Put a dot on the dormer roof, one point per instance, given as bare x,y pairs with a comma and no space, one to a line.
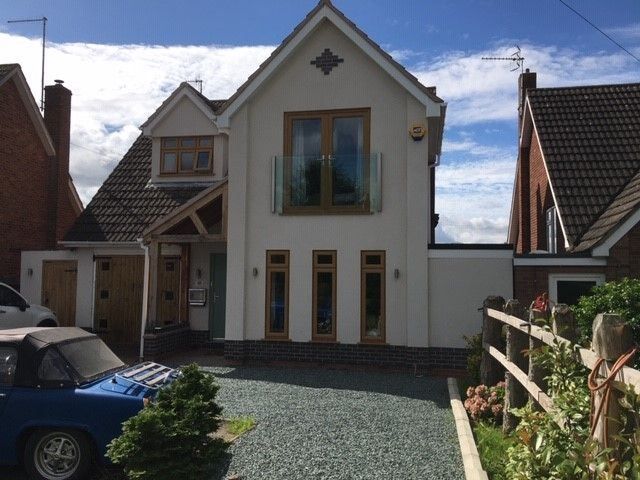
209,108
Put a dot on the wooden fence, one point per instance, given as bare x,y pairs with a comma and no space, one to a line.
523,377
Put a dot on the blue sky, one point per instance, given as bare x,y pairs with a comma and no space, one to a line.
122,57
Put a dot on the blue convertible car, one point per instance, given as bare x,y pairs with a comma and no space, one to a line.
63,398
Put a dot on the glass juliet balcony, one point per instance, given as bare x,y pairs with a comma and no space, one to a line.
337,184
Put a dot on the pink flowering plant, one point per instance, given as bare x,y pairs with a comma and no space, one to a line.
485,403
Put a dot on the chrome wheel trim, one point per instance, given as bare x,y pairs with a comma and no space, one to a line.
57,456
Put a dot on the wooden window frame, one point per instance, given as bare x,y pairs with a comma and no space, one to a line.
318,268
179,149
326,117
364,269
271,268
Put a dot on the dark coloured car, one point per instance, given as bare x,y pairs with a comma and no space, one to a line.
63,397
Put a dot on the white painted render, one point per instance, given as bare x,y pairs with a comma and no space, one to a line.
457,288
401,229
186,118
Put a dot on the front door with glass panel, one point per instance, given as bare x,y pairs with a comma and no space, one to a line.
327,164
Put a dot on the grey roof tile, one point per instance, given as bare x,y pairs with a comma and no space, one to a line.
127,203
590,137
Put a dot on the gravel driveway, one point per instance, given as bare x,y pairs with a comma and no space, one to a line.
335,424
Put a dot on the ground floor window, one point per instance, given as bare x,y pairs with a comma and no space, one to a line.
568,288
324,295
277,295
372,296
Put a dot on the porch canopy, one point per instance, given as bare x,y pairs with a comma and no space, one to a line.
203,219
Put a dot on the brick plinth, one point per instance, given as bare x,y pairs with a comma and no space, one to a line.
387,356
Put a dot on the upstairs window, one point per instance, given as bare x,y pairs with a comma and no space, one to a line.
186,155
552,237
326,167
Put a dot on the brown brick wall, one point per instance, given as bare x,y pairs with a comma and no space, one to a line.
529,282
624,256
535,199
24,186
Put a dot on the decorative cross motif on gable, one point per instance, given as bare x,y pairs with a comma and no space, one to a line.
326,61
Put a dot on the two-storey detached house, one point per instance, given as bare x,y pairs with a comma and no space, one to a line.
290,221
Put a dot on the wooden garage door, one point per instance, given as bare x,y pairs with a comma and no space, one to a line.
59,282
168,290
118,299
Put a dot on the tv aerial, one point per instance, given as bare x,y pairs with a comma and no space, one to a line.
516,58
198,82
44,40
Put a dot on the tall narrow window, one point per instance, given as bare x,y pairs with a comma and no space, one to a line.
324,295
552,238
372,296
277,296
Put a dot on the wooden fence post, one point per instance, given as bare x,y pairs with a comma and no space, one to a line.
517,342
536,372
612,338
490,370
563,322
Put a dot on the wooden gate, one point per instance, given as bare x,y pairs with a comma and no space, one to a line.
59,281
168,291
118,299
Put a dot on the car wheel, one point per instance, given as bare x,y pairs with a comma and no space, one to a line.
58,455
48,322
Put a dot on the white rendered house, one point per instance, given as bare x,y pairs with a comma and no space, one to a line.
291,221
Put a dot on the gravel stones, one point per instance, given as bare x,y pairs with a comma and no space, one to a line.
337,424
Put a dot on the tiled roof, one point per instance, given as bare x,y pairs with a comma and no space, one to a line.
126,203
622,206
590,137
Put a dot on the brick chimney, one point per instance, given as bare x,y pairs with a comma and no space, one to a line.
526,81
57,118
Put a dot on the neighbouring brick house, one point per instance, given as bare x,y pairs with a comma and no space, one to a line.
38,198
575,210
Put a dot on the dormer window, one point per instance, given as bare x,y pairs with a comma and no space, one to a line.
186,155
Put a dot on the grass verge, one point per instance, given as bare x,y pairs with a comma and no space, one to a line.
492,448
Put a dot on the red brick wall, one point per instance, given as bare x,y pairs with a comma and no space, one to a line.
24,185
623,261
535,199
624,256
36,213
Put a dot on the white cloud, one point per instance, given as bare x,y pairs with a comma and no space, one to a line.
116,87
479,90
631,31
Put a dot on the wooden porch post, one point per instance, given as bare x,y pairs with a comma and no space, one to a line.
185,267
154,258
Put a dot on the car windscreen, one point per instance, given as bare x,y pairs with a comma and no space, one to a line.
90,358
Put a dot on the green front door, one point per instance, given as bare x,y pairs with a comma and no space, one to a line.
217,294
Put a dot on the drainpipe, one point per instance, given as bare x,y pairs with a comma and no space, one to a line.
145,296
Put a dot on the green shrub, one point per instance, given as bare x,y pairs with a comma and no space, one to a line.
170,439
492,447
474,357
621,297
